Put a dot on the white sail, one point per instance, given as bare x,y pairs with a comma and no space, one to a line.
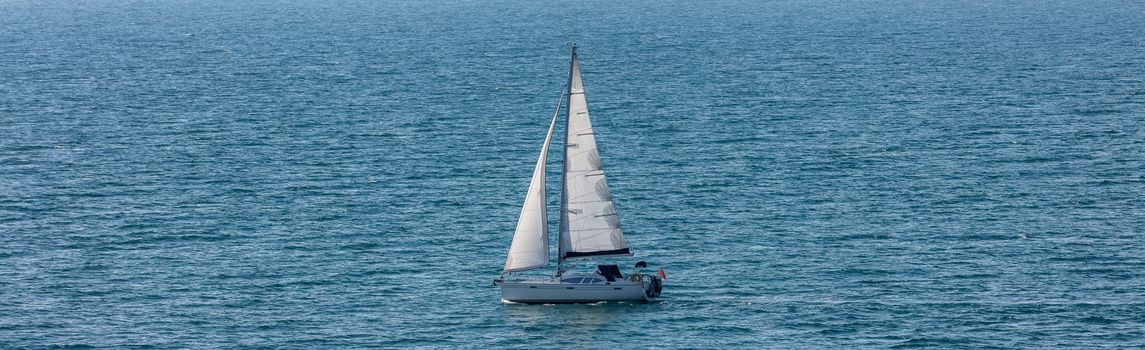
589,224
530,248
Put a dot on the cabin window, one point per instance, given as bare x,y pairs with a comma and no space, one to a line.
582,280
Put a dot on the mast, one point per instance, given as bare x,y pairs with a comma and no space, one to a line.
564,170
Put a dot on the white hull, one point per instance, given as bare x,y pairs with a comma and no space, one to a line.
552,291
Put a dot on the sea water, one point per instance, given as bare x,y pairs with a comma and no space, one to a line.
347,174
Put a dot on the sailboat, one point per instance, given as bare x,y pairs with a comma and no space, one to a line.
589,225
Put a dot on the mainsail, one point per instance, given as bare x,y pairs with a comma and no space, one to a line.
589,225
530,248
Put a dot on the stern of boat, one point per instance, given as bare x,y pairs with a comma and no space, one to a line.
652,284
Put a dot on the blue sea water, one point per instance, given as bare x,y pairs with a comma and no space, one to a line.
347,174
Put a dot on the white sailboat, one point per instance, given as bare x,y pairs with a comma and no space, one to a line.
589,225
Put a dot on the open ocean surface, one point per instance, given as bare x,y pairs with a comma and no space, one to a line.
347,174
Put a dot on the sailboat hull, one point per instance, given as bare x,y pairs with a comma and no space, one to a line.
557,292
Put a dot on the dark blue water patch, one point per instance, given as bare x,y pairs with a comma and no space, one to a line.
915,343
